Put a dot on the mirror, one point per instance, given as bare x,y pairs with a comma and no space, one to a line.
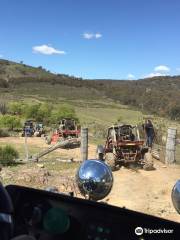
94,179
176,196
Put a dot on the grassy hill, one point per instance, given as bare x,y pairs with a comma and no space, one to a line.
97,103
158,95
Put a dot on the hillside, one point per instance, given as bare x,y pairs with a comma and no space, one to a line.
158,95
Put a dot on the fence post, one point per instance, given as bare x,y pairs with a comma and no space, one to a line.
84,144
26,146
171,146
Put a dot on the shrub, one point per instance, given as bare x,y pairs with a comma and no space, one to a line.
16,108
8,155
4,133
44,113
32,111
65,111
175,113
10,122
39,112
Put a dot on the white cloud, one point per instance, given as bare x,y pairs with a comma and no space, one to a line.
154,74
1,55
88,35
47,50
162,68
98,35
130,76
92,35
178,69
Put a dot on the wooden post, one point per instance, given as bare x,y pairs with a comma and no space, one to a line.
171,146
84,144
26,147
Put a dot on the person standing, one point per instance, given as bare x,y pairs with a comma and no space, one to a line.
150,133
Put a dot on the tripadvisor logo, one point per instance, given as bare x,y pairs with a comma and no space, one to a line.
139,231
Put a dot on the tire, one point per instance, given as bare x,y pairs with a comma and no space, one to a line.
148,162
110,161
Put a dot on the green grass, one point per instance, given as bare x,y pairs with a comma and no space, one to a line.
108,116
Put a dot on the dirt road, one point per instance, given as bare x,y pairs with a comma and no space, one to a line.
144,191
148,192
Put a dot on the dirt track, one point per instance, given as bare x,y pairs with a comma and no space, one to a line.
148,192
144,191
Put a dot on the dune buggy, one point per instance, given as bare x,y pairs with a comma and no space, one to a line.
123,146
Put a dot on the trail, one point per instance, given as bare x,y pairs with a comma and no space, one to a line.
148,192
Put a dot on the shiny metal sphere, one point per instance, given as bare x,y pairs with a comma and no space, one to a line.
94,179
176,196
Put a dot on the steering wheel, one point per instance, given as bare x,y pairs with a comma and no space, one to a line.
6,210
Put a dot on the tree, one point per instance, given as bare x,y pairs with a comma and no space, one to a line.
16,108
32,111
39,112
10,122
64,111
44,113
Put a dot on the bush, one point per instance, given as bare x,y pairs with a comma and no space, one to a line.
16,108
8,155
10,122
4,133
32,111
39,112
65,111
44,113
175,113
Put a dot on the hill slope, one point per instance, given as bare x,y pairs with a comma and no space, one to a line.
158,95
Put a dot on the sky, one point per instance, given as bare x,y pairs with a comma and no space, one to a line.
94,39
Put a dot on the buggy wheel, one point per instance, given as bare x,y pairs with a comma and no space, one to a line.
110,161
148,162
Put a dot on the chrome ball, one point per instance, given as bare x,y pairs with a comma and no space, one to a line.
176,196
94,179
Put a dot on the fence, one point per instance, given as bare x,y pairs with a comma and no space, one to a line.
166,147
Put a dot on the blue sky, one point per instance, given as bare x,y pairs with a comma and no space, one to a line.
117,39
